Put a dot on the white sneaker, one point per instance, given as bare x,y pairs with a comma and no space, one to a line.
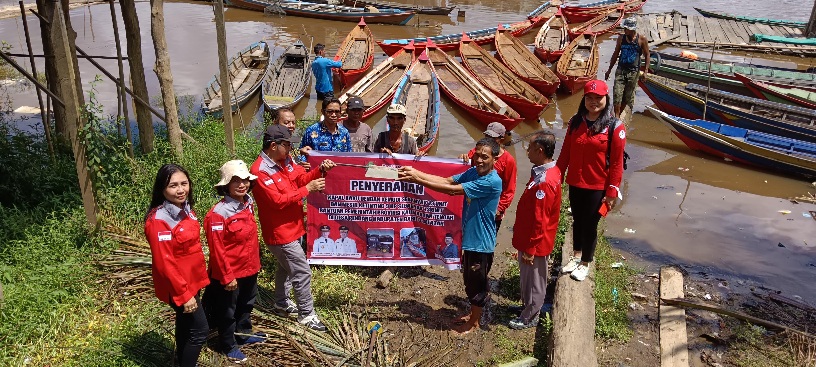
580,273
312,322
571,265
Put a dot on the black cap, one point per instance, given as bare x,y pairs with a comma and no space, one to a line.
343,228
278,133
355,103
449,235
325,228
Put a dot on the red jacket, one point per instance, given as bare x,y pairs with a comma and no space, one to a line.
279,192
232,235
179,270
538,211
505,166
583,157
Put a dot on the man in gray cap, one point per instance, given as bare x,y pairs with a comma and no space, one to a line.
505,166
627,54
360,133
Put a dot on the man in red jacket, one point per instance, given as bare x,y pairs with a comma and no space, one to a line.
505,167
536,224
282,186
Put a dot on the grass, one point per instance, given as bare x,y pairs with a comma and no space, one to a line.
612,296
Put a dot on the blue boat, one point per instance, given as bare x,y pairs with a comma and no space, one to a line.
686,100
418,91
743,145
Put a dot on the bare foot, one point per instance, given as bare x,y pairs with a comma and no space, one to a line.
467,328
461,319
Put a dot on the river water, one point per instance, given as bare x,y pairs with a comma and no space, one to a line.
712,216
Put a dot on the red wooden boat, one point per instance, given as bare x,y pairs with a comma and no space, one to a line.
579,14
788,95
378,86
357,54
551,39
518,58
578,64
603,23
467,92
500,80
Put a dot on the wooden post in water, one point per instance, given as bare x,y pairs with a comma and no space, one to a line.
224,77
123,110
810,31
165,76
64,62
708,89
43,114
137,73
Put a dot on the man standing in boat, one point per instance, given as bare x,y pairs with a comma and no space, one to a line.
627,54
321,68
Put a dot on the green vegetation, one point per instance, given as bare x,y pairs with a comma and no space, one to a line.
612,295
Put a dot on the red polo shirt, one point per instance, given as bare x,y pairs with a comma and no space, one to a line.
538,211
279,192
583,157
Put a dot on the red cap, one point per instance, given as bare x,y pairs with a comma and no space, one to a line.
597,87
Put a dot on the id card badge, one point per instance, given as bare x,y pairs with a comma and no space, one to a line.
165,236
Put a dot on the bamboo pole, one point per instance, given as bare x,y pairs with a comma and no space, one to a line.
708,89
747,46
226,85
30,77
78,56
45,122
122,95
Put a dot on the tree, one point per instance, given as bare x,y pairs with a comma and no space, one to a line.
224,79
810,31
162,70
137,73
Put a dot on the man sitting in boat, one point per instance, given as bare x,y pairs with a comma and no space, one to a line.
627,54
321,68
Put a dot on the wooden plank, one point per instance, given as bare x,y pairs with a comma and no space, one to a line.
753,29
740,32
796,32
673,337
698,29
717,31
706,34
652,27
692,36
676,27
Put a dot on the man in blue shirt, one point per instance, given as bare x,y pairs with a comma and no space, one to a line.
321,68
482,187
327,135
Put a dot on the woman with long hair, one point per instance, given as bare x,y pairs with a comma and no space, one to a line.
179,269
235,260
592,157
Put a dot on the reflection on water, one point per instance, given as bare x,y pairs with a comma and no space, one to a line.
725,218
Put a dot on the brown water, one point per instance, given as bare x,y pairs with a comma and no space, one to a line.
718,217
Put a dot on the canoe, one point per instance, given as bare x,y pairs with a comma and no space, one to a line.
377,87
743,145
687,100
551,39
357,54
500,80
450,42
518,58
583,14
790,95
427,10
723,78
418,91
578,64
466,92
679,57
600,24
325,11
288,78
246,73
741,18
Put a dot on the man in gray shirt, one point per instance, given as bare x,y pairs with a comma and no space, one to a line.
361,140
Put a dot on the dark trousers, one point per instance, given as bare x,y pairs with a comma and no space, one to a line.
191,333
230,310
476,266
585,204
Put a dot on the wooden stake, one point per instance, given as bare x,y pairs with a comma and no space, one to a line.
46,123
673,339
708,89
163,72
226,84
137,75
122,95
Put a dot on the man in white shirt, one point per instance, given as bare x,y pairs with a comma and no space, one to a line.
324,244
345,245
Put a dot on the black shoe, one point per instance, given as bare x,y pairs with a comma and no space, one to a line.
515,309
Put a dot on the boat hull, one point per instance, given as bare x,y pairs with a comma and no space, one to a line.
372,18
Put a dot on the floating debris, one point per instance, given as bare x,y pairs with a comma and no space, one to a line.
629,230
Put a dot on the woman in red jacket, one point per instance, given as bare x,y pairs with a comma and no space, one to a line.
592,157
235,260
179,270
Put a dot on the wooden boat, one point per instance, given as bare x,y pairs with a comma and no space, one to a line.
468,93
288,78
579,14
687,100
246,72
790,95
723,78
741,18
578,64
378,86
551,39
326,11
357,54
518,58
602,23
743,145
428,10
500,80
418,91
680,57
450,42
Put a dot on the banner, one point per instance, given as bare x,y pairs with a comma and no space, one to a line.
363,219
